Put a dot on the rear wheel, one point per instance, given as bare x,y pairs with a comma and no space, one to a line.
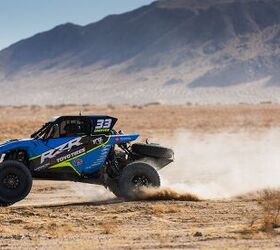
15,182
135,176
114,187
5,204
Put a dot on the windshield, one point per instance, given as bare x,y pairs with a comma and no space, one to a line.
41,131
64,128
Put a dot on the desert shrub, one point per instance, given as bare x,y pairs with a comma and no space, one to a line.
165,209
108,228
270,202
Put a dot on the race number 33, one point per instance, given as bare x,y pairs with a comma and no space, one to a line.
101,124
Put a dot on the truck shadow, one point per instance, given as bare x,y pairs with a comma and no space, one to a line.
72,204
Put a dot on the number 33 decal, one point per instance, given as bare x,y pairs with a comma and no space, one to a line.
103,123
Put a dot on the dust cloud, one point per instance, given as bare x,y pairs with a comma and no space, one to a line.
164,194
211,166
89,192
225,164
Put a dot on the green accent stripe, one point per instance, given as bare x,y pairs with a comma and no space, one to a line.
34,158
64,165
67,162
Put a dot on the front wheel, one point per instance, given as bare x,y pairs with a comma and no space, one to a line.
135,176
15,182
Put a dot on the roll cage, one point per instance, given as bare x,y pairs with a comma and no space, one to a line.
74,126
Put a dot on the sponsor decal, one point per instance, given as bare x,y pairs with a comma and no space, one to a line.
67,146
71,155
42,167
72,151
98,140
102,130
78,162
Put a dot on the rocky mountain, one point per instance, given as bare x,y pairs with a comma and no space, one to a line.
175,51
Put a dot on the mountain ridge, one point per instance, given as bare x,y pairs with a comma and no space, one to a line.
186,46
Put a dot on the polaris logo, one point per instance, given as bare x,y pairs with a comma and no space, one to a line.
67,146
98,140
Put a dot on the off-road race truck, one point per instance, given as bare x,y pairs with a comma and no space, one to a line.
83,149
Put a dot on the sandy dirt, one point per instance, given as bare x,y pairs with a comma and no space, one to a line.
80,216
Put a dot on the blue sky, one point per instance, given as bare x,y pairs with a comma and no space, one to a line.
23,18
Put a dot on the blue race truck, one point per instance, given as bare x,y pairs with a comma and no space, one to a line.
82,149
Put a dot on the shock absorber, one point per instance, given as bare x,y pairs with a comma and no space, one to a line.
113,169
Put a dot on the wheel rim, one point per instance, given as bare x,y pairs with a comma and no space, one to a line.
11,181
141,181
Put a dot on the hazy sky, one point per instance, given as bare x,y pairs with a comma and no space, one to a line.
22,18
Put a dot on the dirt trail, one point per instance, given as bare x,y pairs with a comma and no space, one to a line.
46,194
59,218
164,194
53,193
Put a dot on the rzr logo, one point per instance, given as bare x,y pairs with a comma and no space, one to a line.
67,146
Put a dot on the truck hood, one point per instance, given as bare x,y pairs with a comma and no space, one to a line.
11,144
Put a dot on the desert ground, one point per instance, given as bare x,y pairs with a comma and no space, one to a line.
79,216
